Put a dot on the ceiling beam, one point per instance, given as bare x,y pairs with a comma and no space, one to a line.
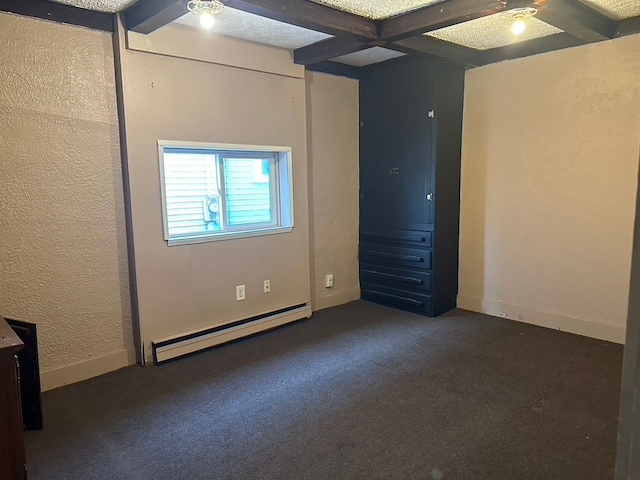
437,16
577,19
423,44
628,27
147,16
530,47
58,12
310,15
335,68
328,49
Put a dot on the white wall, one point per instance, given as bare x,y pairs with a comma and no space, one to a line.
63,253
549,176
333,137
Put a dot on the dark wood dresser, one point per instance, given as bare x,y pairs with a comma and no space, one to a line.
12,458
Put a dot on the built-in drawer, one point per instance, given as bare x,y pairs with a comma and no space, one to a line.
413,301
395,256
397,237
395,277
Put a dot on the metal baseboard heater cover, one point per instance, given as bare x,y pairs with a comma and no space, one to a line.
181,345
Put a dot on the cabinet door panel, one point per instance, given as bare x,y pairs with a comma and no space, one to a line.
396,150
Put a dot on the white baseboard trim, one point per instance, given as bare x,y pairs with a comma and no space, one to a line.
587,328
336,298
76,372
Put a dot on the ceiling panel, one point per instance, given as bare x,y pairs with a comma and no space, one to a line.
377,9
368,56
617,9
492,31
99,5
255,28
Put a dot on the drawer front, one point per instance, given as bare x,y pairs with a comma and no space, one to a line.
395,277
395,256
397,237
413,301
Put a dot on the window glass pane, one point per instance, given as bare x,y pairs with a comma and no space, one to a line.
191,190
247,191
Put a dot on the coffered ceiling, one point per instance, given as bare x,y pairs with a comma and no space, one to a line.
357,33
377,9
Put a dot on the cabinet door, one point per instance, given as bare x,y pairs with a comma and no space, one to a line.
395,162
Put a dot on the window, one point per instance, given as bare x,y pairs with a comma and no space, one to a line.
213,192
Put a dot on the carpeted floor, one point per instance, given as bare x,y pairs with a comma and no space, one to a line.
357,392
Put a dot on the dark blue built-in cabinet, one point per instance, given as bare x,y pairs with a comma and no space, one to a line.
410,143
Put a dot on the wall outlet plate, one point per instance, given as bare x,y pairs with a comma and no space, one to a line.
240,293
267,286
328,281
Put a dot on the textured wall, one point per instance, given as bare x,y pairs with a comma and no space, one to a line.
333,132
63,262
550,162
190,287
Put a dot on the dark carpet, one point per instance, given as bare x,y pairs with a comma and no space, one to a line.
357,392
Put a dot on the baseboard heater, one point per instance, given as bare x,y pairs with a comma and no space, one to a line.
174,347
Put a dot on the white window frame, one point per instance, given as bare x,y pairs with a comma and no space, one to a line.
281,201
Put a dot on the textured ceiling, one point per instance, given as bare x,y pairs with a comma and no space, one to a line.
368,56
617,9
377,9
492,31
99,5
255,28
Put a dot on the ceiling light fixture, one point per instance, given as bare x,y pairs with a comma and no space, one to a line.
205,9
519,17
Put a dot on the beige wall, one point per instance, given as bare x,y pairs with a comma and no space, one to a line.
333,132
63,256
190,287
548,186
63,243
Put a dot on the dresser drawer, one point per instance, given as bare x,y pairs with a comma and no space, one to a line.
395,277
414,301
395,256
397,237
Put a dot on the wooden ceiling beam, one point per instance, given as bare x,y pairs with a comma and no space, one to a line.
437,16
335,68
61,13
629,26
531,47
426,45
328,49
147,16
577,19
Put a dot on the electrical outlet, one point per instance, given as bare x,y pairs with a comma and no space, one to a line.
240,293
267,286
328,281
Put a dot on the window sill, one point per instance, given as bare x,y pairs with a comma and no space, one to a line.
216,237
